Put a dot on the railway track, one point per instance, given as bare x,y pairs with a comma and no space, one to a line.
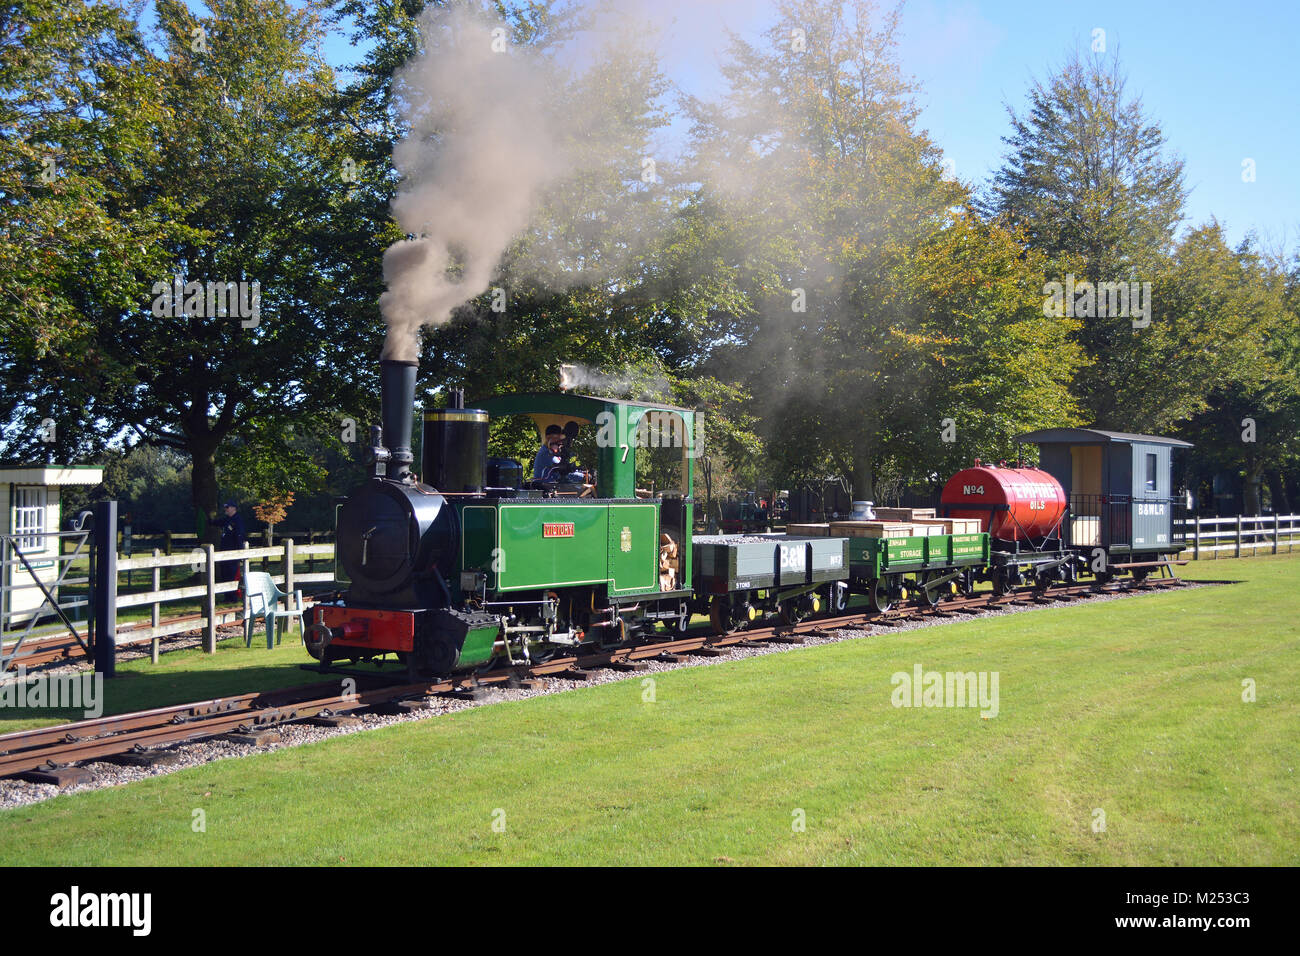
54,754
63,649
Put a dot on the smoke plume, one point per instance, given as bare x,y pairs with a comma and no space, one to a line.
482,144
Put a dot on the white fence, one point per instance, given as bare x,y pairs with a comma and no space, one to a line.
204,562
279,561
1248,534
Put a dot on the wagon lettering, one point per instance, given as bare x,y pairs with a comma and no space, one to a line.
972,489
557,529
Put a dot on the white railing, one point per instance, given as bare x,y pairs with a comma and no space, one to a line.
1244,534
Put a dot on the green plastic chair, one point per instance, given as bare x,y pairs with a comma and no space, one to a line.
262,600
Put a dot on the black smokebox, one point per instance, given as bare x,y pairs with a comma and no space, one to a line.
397,408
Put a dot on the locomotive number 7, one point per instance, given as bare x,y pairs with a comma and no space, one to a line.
625,448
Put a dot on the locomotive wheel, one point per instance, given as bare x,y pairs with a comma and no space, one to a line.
879,596
620,631
677,626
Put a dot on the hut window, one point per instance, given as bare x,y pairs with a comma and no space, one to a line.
29,519
1152,484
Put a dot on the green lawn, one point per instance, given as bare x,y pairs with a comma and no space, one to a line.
1133,707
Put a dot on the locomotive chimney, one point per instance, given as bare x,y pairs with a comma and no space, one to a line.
397,404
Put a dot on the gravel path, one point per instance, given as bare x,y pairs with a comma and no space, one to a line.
17,793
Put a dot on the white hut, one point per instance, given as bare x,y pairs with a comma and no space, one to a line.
28,522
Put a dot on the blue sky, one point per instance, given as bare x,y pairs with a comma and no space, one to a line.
1222,80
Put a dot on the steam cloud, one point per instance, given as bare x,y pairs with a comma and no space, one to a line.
482,144
499,133
643,384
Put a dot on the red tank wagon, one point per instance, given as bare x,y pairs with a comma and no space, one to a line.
1012,504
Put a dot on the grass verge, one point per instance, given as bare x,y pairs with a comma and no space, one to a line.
1131,707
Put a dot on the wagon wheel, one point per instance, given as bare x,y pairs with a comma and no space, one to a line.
791,612
720,615
1000,583
1140,575
967,583
878,596
927,597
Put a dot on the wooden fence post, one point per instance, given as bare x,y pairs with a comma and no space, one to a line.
1196,538
210,608
156,615
1237,554
167,544
104,588
1277,529
288,579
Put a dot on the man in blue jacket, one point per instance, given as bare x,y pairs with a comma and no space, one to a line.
232,539
551,464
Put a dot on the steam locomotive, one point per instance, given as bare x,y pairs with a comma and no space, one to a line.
472,564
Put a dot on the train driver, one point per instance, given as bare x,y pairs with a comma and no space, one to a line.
548,456
550,464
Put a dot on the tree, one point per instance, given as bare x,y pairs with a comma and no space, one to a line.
78,104
1087,180
246,164
866,305
1236,328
